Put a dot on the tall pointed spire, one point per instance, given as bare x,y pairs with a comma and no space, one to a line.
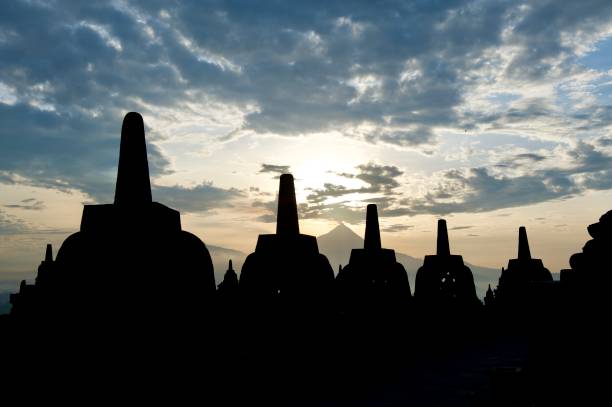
287,217
230,266
443,248
372,232
49,253
523,249
133,184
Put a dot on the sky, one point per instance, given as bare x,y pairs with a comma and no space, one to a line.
490,114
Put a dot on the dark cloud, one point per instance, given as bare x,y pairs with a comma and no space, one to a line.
30,204
605,141
545,31
274,169
201,198
378,178
330,191
404,138
521,160
270,207
478,190
461,227
530,157
397,228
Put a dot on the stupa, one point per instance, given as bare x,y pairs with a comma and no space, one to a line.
373,281
443,280
130,259
286,272
230,280
520,280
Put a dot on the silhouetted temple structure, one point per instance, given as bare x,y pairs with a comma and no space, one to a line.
31,296
444,281
373,281
134,294
286,268
591,268
520,283
230,280
130,258
489,299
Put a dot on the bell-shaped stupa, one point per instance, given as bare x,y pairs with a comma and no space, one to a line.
521,279
444,281
373,281
130,259
286,273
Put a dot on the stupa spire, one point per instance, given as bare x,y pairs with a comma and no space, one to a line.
133,184
287,217
523,249
372,231
49,253
443,248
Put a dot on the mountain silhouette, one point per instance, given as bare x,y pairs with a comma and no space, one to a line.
338,243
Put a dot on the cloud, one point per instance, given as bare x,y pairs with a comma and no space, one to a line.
477,190
29,204
460,190
397,228
200,198
471,190
521,160
274,169
480,190
270,207
378,178
10,225
404,69
64,151
400,75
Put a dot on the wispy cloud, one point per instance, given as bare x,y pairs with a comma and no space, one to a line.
274,169
29,204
